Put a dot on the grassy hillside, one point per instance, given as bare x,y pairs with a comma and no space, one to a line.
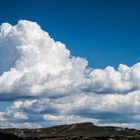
77,131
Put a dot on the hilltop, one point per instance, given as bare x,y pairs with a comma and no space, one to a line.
78,131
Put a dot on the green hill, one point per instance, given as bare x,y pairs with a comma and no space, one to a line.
78,131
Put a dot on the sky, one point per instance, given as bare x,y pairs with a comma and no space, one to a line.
83,54
110,29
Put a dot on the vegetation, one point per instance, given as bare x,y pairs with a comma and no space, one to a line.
79,131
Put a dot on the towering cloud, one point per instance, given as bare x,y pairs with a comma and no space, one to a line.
33,64
63,88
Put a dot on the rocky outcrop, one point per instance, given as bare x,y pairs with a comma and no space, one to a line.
5,136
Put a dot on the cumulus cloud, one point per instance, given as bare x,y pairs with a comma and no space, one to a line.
110,109
33,64
62,87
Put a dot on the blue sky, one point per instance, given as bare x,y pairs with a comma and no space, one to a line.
105,32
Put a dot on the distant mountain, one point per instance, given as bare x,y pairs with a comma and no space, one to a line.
78,131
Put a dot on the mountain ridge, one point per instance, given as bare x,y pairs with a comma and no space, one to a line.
77,131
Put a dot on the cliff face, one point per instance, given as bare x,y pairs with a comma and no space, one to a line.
81,131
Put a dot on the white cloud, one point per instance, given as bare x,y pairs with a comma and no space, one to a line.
111,109
32,64
109,80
